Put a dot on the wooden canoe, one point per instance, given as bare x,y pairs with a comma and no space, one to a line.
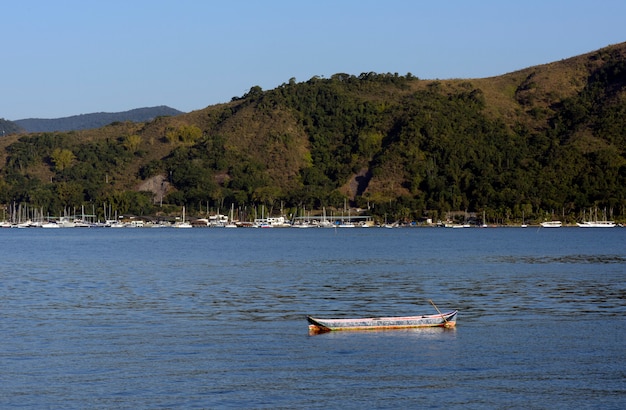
447,320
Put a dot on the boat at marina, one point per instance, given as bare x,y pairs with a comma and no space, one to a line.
231,220
551,224
446,320
65,222
597,224
183,223
275,222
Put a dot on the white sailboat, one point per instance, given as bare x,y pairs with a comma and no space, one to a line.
183,223
597,224
346,224
231,219
325,223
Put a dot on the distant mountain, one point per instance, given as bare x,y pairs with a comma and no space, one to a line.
8,127
95,120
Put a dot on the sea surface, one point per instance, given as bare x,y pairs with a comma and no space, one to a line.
216,318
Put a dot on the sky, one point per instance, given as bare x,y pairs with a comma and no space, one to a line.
70,57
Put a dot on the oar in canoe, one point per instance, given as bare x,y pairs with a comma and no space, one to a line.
445,320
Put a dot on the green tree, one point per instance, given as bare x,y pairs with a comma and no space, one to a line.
187,134
62,158
70,193
132,142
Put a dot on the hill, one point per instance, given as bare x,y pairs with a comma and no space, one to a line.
545,142
8,127
94,120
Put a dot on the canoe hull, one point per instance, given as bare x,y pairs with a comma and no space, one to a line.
317,325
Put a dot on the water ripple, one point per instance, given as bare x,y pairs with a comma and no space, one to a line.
576,259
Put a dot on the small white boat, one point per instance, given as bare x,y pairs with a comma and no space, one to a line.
552,224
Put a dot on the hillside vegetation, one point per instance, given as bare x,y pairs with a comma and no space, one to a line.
544,142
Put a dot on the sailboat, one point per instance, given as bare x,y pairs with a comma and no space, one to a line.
325,223
349,223
304,221
231,219
596,223
183,223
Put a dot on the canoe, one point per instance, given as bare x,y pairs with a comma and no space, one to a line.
446,320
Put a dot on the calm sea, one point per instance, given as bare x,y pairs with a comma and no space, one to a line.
215,318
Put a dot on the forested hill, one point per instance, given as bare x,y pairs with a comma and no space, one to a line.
94,120
545,142
8,127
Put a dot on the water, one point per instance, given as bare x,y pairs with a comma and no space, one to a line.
215,318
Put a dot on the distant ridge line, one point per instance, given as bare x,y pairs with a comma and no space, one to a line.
94,120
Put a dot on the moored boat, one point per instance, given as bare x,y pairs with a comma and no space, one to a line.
597,224
552,224
447,320
183,224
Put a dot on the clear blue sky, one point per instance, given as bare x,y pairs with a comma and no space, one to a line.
69,57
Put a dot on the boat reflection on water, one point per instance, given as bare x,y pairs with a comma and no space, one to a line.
427,333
